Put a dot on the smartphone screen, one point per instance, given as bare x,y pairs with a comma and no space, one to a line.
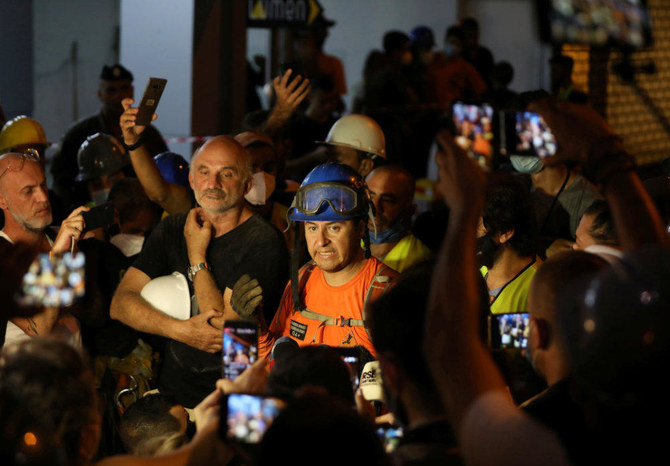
390,436
473,125
510,330
240,347
53,281
526,133
533,136
149,103
247,417
604,22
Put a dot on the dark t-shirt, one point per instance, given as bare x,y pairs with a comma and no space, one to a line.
255,248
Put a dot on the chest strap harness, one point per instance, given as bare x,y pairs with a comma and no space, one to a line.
378,285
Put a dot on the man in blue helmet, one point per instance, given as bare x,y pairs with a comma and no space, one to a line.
324,303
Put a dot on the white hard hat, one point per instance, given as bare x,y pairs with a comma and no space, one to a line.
358,132
169,294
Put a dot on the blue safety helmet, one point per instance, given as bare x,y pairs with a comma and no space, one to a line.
329,193
173,168
423,36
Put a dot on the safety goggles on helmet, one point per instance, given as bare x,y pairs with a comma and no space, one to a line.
343,200
18,159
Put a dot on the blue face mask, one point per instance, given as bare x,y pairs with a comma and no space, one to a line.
529,165
392,234
449,50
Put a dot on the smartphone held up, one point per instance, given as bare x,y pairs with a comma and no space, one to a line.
53,281
149,103
240,347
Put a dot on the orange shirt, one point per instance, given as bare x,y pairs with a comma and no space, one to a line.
344,301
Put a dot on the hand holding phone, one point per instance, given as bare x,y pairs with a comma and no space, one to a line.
100,216
149,102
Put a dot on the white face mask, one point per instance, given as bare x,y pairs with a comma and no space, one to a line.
262,189
129,245
526,164
100,197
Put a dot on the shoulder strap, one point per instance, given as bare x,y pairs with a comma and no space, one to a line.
378,285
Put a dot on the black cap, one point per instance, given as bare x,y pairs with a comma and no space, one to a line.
115,72
322,22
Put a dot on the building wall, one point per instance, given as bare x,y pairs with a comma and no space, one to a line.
509,29
645,134
16,56
157,41
60,27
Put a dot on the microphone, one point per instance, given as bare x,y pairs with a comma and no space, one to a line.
371,382
283,347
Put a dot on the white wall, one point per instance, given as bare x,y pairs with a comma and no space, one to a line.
361,24
56,25
157,41
509,29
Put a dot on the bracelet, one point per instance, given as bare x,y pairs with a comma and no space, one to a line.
135,146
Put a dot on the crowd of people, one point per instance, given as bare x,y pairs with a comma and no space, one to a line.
520,318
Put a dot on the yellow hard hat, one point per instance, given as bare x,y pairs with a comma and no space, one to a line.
21,131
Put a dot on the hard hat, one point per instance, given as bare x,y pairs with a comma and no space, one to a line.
100,154
330,192
169,294
358,132
422,35
21,131
173,167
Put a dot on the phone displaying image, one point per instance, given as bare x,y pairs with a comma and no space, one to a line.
526,133
149,103
350,356
473,126
623,23
245,418
100,216
56,281
390,436
240,347
510,330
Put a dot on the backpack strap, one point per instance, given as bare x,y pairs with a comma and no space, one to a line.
379,283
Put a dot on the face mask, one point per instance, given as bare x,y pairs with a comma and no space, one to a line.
449,50
529,165
129,245
262,189
486,251
100,197
392,234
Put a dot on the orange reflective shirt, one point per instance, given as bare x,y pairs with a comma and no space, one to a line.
344,302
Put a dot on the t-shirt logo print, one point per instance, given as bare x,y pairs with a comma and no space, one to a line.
298,330
349,340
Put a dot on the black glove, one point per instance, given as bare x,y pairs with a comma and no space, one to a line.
247,296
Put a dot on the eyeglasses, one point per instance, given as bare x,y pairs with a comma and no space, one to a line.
18,159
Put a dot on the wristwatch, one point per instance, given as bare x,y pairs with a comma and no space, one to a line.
193,269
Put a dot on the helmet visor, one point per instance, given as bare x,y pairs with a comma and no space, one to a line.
342,199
